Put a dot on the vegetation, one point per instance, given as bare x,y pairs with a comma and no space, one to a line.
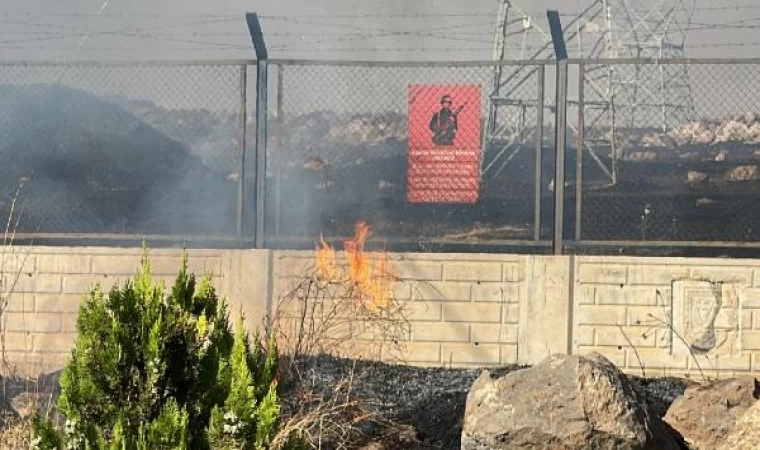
161,369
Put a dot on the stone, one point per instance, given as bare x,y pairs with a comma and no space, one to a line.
653,140
731,131
564,402
706,413
753,133
26,403
743,173
399,438
704,201
641,156
696,178
746,432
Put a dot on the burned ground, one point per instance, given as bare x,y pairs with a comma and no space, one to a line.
406,407
114,165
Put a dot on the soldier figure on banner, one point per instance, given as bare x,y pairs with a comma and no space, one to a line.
443,124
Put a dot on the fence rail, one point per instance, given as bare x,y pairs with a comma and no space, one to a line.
657,155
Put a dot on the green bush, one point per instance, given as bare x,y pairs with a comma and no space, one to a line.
163,370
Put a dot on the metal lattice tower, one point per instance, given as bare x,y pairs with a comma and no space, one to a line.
625,95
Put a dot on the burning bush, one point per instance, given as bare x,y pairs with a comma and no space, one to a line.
369,284
342,300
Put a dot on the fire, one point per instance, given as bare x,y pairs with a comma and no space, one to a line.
325,261
358,262
368,282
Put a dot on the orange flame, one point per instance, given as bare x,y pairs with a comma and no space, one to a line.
358,263
370,284
325,262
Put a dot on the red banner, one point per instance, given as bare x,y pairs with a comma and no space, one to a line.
444,144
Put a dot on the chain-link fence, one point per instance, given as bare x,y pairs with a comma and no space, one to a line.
122,148
368,142
671,152
428,154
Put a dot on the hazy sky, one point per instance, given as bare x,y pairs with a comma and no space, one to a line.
327,29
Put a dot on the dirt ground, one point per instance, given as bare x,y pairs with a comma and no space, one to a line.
367,405
422,408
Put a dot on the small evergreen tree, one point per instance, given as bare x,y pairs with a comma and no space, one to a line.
159,370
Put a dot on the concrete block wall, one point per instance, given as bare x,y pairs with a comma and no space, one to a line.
45,286
459,310
636,312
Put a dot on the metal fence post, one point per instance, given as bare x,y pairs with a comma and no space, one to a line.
261,149
560,142
243,117
560,130
539,159
579,151
262,57
278,149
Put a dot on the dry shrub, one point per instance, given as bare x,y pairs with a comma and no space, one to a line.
15,434
322,417
15,431
343,307
12,262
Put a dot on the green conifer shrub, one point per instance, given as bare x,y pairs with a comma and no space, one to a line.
156,369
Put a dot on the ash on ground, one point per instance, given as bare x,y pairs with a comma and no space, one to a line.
374,405
412,407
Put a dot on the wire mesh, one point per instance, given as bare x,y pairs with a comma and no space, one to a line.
115,148
340,144
670,150
685,138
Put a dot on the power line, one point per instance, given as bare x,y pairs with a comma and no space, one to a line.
332,16
725,44
113,48
128,32
242,16
291,49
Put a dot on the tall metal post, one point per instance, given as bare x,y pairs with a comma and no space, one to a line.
262,57
560,129
278,149
243,117
538,158
579,150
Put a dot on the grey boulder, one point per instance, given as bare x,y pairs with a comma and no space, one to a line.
746,432
706,413
566,402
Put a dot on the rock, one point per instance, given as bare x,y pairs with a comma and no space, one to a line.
697,133
706,413
660,393
567,402
26,403
695,178
641,156
653,140
732,131
401,437
742,173
746,433
704,201
753,133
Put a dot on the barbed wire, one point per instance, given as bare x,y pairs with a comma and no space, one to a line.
184,32
241,48
715,6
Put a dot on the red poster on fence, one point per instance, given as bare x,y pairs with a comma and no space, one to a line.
444,144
